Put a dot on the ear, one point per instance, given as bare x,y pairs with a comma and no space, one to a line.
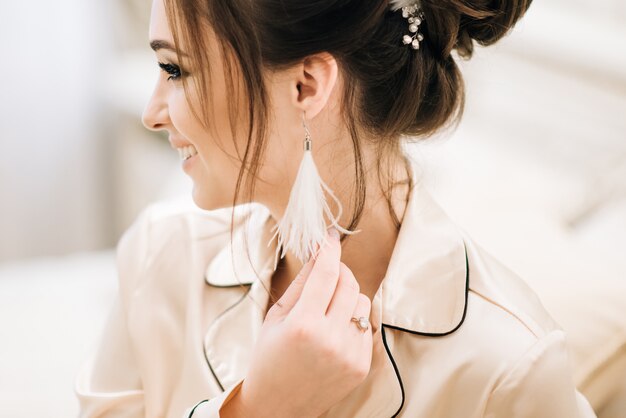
315,79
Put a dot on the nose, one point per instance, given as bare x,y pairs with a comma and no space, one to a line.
155,116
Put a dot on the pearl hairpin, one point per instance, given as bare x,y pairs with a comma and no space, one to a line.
415,16
411,10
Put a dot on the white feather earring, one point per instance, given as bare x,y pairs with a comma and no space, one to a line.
302,226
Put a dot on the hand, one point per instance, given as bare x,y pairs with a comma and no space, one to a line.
309,354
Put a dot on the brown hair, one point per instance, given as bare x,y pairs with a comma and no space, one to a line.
390,90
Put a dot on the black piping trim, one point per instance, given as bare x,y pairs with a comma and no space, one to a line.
195,406
226,286
212,324
441,334
393,362
395,368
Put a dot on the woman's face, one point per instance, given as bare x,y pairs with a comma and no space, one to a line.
214,164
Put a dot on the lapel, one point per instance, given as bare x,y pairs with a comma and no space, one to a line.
241,277
426,283
424,292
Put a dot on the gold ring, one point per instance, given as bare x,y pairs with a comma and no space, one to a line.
362,322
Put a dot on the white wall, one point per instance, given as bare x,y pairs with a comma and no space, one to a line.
53,194
76,165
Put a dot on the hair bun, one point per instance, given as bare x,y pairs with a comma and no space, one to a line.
483,21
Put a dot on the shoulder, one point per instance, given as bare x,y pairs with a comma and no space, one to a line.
505,321
165,237
504,291
174,217
507,333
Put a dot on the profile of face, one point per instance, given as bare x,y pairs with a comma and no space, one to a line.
212,157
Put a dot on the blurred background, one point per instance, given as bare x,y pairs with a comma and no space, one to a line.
536,173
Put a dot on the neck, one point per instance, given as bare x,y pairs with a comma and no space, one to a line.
366,253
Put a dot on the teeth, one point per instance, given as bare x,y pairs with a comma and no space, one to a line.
186,152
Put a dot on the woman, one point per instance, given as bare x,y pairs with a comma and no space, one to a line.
404,316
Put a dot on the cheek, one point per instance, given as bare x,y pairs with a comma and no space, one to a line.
215,175
186,124
181,116
183,119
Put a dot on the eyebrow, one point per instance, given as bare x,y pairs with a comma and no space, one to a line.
160,44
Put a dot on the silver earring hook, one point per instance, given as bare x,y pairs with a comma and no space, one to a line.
307,136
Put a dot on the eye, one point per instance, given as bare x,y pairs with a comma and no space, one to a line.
172,70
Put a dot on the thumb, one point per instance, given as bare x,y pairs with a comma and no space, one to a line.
288,300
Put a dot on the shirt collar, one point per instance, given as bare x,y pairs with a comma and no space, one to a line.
425,287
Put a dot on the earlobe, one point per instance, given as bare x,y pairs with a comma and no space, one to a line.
317,76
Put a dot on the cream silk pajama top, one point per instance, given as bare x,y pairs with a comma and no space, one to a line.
456,334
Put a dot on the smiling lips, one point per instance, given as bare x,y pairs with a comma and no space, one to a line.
187,152
185,149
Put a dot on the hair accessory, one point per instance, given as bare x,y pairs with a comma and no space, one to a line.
302,226
412,11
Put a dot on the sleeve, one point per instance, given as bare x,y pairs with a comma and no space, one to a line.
539,385
210,408
108,384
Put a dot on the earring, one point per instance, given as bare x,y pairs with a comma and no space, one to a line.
302,226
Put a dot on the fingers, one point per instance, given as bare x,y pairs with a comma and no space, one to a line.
363,306
345,297
320,286
287,301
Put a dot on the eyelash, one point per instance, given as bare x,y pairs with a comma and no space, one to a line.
171,69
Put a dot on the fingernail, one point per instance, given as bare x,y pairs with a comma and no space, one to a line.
333,233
